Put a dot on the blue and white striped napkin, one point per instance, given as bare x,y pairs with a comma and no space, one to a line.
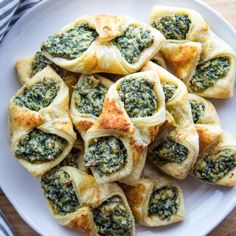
11,11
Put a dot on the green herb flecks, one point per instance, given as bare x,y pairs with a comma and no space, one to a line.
38,96
72,43
169,151
164,203
138,97
174,27
89,96
40,62
38,147
169,90
112,218
106,154
134,40
208,73
58,189
198,110
215,166
71,159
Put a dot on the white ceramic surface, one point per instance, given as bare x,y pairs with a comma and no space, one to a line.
206,206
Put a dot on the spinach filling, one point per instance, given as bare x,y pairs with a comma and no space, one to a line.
89,96
215,166
71,159
40,62
164,202
173,27
58,189
169,151
208,73
198,110
70,44
38,96
169,90
38,147
112,218
134,40
106,154
138,97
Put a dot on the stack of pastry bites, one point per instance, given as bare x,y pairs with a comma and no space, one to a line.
110,114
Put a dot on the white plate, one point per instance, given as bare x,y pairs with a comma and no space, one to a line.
206,206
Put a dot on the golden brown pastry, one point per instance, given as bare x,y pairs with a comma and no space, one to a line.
133,112
87,100
218,165
141,97
181,57
102,43
40,129
159,59
175,153
111,151
27,67
214,75
83,204
206,122
156,200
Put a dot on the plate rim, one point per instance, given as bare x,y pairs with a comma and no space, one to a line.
217,220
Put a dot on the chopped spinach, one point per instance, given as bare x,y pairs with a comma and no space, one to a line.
173,27
38,96
164,203
106,154
169,90
58,189
72,43
134,40
215,165
40,62
112,218
38,147
138,97
89,96
208,73
198,109
71,159
168,151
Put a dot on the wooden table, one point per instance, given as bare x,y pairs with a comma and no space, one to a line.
226,228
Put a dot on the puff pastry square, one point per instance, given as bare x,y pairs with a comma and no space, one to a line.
87,101
102,43
157,199
41,132
218,165
176,153
27,67
128,125
82,202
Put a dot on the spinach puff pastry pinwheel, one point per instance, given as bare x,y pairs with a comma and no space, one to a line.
156,200
77,201
218,165
133,112
175,153
102,43
206,122
179,23
27,67
214,75
87,100
41,132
